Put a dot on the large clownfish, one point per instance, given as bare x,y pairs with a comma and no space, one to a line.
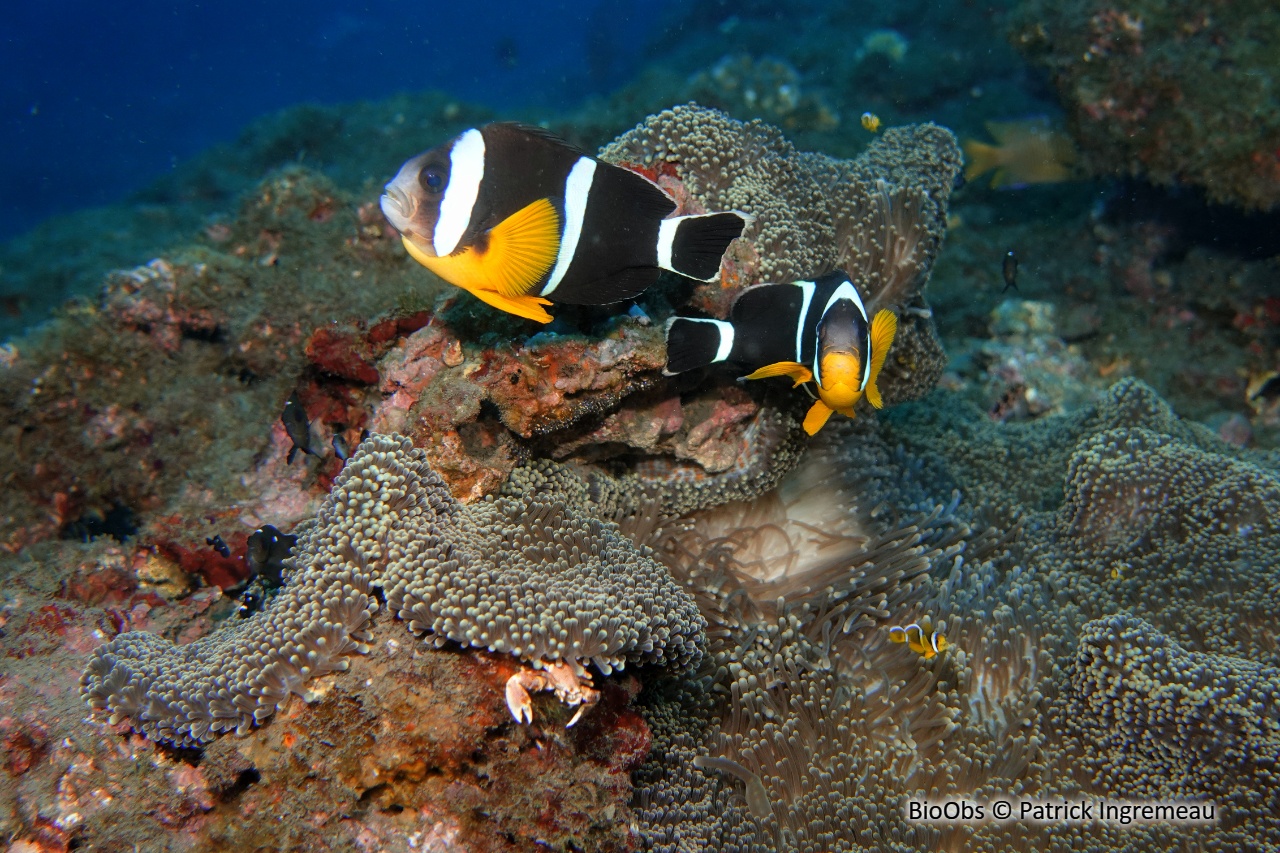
812,331
521,219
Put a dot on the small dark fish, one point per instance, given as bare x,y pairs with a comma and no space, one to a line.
218,545
267,551
342,447
507,52
1265,387
1009,269
250,603
297,427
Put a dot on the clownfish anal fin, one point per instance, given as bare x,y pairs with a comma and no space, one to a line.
817,417
883,329
523,247
795,370
528,307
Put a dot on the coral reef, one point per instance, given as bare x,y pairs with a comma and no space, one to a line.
1166,90
807,706
881,217
520,573
1102,569
1207,725
769,88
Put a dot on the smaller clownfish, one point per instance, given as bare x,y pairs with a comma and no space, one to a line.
809,331
920,638
871,122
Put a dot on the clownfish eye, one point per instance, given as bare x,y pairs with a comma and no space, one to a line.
432,179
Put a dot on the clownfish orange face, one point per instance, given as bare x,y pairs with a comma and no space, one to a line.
841,384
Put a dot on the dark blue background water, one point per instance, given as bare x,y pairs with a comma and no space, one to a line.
97,98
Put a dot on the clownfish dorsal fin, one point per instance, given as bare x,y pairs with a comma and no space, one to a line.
818,414
795,370
523,247
883,329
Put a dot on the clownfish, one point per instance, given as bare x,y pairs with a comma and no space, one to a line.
920,638
812,331
521,219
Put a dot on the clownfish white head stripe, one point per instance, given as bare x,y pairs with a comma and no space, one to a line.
466,160
521,219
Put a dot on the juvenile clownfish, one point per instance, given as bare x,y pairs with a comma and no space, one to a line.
521,219
920,638
812,331
871,122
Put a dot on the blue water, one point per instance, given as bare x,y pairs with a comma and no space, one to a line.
97,99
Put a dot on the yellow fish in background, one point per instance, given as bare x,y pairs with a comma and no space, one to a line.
1026,152
920,638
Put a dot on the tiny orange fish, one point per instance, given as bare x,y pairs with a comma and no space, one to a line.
920,638
1026,152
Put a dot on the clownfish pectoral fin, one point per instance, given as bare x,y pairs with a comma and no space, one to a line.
883,329
516,256
529,307
795,370
819,412
523,247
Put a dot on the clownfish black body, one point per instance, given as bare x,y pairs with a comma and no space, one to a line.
522,219
811,331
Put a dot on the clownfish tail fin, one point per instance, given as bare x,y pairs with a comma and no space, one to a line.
694,343
693,246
